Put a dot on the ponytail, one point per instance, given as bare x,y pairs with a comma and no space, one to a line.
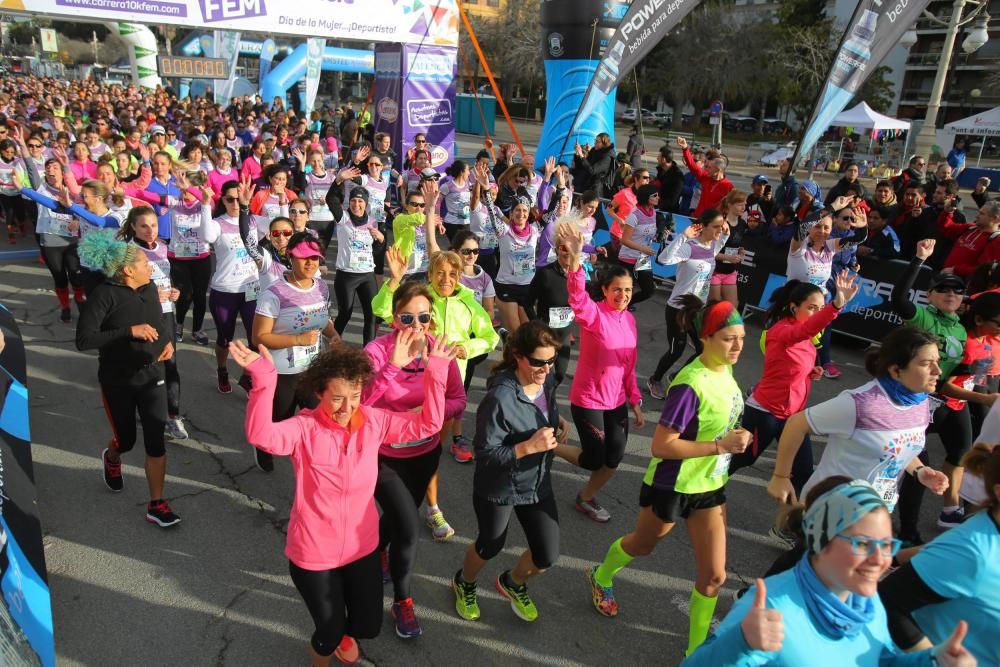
690,305
794,292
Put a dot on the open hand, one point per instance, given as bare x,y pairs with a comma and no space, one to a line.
244,356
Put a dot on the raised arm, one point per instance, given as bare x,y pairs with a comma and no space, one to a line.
900,298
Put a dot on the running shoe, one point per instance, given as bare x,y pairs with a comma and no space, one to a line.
466,600
66,315
199,337
785,537
502,332
402,613
461,449
175,429
655,388
951,519
520,601
347,651
604,598
159,512
592,509
831,371
909,540
263,460
245,382
439,527
224,386
112,473
386,572
179,335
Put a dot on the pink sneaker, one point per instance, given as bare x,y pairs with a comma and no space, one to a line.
831,371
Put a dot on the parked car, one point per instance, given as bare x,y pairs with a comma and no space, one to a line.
629,115
775,126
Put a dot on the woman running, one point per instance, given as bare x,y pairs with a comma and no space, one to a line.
223,172
272,202
551,297
624,202
140,228
796,317
483,209
315,182
826,611
638,233
518,242
723,284
356,233
291,315
699,431
875,431
406,467
455,196
694,251
235,285
123,319
517,427
333,528
604,388
952,579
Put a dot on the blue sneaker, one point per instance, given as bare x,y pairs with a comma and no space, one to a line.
407,626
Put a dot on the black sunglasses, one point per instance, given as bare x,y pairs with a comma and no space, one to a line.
538,363
230,200
945,289
298,210
416,204
407,319
469,251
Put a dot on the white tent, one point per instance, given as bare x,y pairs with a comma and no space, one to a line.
985,124
863,116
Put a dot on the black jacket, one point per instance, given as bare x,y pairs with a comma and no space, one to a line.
671,183
505,418
840,189
593,171
105,325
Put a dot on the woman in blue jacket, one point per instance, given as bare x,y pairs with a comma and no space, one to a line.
825,611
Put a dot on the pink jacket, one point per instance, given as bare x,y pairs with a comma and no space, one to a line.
789,358
407,392
608,341
333,520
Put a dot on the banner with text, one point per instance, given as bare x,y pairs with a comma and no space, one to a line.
428,100
315,47
227,45
874,30
405,21
645,24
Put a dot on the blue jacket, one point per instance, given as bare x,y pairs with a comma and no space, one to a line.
163,212
804,643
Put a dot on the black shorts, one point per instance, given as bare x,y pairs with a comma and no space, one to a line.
519,294
668,505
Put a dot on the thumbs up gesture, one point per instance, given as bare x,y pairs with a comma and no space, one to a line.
952,653
763,628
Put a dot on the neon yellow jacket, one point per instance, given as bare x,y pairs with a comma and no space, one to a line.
404,231
459,318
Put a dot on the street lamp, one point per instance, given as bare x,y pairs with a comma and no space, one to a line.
978,36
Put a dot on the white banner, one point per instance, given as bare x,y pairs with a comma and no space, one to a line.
315,47
407,21
49,41
227,45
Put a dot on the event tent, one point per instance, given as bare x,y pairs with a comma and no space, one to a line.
863,116
985,124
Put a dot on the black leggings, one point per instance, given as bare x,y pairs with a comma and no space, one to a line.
643,279
954,427
121,402
191,277
399,491
766,428
14,210
345,600
173,376
64,265
288,398
324,230
539,521
603,435
490,262
470,369
345,286
676,338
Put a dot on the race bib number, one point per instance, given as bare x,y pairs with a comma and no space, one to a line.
184,248
376,205
252,290
887,490
408,445
560,318
186,242
523,262
59,225
730,252
643,264
302,355
721,465
361,256
271,211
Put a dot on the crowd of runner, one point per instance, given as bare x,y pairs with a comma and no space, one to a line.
147,208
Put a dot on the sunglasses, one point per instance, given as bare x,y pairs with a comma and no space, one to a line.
848,219
946,289
299,211
420,141
407,319
275,233
230,200
34,145
539,363
469,251
416,204
375,164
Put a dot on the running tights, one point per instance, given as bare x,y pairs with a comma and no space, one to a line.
346,286
191,277
676,339
540,522
64,265
121,402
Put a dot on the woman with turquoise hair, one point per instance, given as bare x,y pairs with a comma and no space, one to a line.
825,611
122,319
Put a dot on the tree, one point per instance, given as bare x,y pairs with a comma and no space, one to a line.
876,90
509,43
21,32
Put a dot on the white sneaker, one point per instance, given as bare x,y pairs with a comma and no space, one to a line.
175,429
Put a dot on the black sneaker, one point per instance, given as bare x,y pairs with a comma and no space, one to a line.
224,386
245,382
112,473
199,337
263,460
179,335
159,512
66,315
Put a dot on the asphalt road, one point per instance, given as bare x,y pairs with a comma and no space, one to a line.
215,590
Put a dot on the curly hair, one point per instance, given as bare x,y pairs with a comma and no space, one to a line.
338,362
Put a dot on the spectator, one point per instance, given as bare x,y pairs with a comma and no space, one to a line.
885,196
714,184
691,191
850,178
809,199
976,243
915,222
956,157
635,148
980,194
594,169
760,202
941,174
670,181
882,241
914,173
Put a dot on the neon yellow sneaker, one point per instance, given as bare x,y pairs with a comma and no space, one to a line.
466,600
520,602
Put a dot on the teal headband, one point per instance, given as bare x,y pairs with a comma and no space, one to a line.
837,510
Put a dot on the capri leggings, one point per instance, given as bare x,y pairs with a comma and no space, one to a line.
173,376
226,307
345,600
149,399
64,265
346,286
603,435
539,521
676,339
489,259
954,427
399,491
288,398
191,277
643,279
470,369
766,428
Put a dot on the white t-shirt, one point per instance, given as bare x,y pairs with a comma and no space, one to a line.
53,225
870,437
235,270
812,267
315,191
695,265
270,210
643,232
185,226
295,310
456,202
517,255
157,256
354,246
480,225
480,283
378,191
